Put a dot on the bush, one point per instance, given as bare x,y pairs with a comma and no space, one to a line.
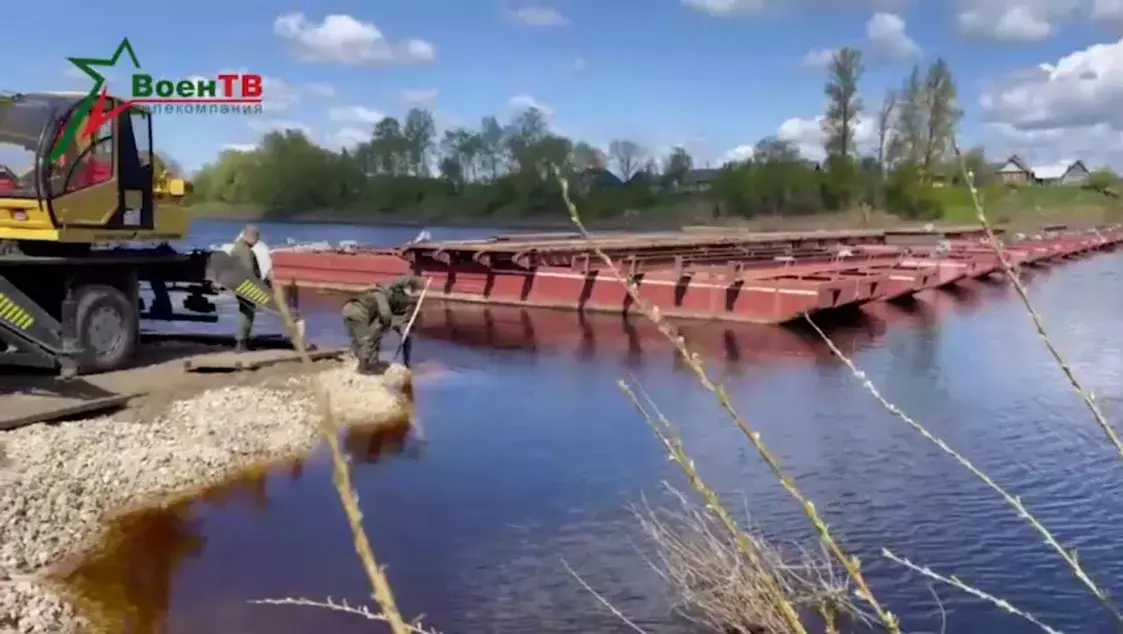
906,196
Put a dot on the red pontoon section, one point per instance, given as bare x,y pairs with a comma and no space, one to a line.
701,274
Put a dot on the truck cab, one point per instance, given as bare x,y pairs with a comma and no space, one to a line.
99,189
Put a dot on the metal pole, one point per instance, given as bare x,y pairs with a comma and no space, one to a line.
413,318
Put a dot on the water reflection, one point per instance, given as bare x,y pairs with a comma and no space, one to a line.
633,340
126,584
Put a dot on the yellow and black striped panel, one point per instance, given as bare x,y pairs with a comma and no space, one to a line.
12,313
253,292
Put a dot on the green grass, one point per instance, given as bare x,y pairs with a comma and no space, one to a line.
1059,203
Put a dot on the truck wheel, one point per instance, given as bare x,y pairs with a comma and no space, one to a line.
106,327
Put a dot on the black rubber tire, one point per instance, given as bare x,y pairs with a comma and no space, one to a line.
92,301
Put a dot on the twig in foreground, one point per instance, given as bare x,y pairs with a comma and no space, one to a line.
1014,501
969,589
694,361
341,477
1086,395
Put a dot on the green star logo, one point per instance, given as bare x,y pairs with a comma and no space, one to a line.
96,95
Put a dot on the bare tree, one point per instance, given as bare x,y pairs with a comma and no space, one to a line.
844,104
943,115
628,157
885,127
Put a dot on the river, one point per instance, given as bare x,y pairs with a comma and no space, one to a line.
532,456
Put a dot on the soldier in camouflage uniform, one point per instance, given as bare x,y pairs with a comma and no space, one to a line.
371,313
243,252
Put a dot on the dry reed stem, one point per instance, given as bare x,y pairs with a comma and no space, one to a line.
722,587
1014,501
771,590
694,361
1085,394
605,602
341,478
343,606
956,583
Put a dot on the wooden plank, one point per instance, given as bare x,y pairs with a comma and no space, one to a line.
249,361
60,408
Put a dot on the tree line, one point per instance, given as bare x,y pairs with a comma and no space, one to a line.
914,126
495,170
502,169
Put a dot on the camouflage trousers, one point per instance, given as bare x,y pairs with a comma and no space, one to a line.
365,331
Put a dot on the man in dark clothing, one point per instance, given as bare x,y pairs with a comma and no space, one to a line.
243,252
371,313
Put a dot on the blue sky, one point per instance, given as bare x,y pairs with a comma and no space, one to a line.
710,74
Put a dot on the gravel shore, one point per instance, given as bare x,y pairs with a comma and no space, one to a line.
59,482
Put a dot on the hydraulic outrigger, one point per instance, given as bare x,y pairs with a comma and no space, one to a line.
71,268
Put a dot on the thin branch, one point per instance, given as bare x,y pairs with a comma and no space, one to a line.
694,361
341,477
969,589
605,602
1086,395
1014,501
341,606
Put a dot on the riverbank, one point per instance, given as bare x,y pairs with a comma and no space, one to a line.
62,483
1017,209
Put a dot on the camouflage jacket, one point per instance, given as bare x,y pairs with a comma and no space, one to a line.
387,301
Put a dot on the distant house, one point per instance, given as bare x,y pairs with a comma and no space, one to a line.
699,180
644,177
597,177
1015,170
1068,173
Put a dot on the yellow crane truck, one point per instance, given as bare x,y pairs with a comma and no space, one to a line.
81,235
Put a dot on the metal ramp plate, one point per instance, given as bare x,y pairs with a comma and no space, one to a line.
223,269
23,317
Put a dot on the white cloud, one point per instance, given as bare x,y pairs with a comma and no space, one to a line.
726,7
807,135
342,39
1030,20
526,102
355,114
1083,88
1095,144
1108,11
888,39
1006,24
264,126
739,153
818,59
348,137
539,15
1074,105
419,96
323,90
731,8
277,95
239,147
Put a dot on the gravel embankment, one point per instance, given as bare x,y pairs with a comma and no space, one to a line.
57,483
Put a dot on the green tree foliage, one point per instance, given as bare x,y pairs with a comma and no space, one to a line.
410,169
840,124
406,169
776,181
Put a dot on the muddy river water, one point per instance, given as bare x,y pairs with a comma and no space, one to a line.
531,456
